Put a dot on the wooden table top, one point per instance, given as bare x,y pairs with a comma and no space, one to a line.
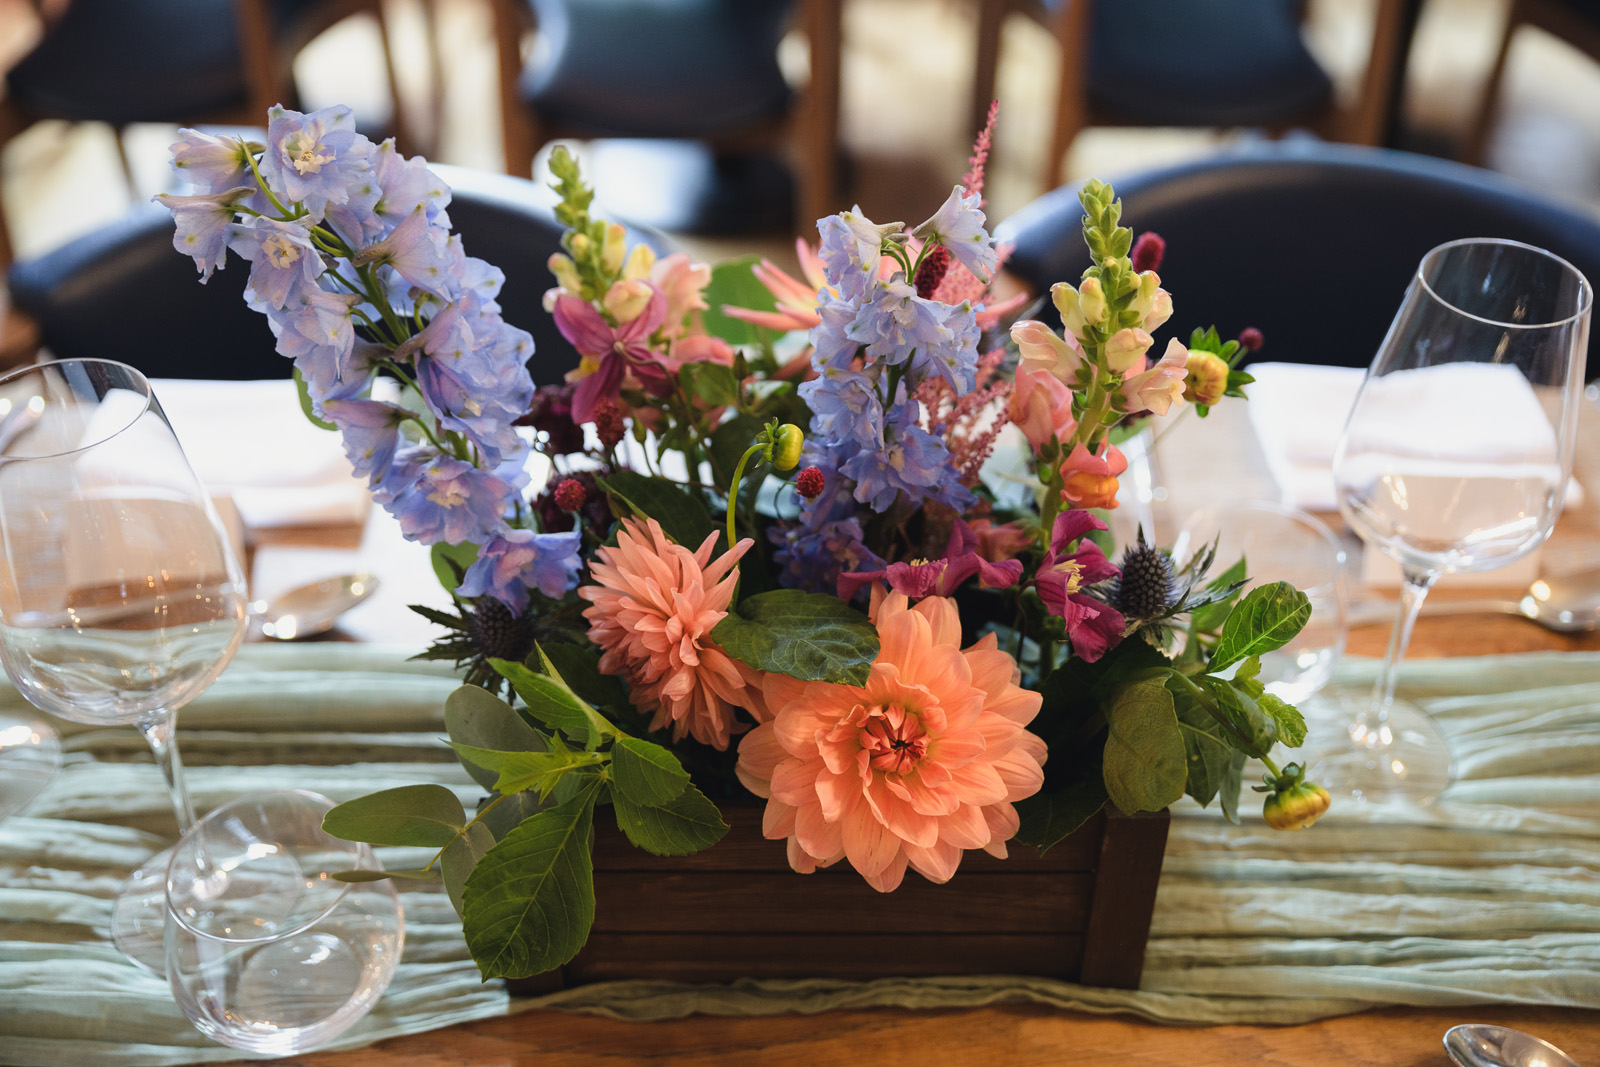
1022,1036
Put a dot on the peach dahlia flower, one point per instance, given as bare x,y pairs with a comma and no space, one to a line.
919,764
653,609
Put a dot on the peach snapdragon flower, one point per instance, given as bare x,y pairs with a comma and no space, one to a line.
654,605
920,764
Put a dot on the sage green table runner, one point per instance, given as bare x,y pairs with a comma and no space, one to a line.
1491,895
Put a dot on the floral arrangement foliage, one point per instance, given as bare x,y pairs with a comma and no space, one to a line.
904,656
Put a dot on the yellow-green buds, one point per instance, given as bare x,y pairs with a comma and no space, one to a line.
1065,298
786,444
1297,807
640,260
566,273
1207,379
1092,302
615,247
627,298
579,245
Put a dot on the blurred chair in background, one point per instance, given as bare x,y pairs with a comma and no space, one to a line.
124,293
221,62
689,70
1223,63
1312,243
1577,22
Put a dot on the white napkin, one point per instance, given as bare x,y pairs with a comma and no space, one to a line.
251,441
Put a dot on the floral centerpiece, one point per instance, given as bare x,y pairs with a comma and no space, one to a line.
771,558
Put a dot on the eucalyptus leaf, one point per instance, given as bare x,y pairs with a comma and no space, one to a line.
427,816
450,562
462,855
476,717
809,636
688,823
646,773
529,902
528,770
1266,619
1145,762
683,516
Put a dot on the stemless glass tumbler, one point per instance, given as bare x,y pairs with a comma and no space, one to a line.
265,950
120,596
1455,457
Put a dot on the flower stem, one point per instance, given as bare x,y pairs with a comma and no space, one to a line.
733,491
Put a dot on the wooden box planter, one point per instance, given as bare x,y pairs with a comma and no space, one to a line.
1080,913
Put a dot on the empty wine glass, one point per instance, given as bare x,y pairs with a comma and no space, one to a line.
120,597
265,950
1455,457
1281,543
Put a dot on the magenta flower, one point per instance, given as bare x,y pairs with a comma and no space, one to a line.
939,577
1093,626
614,350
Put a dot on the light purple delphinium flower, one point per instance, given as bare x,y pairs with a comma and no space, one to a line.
315,159
418,251
513,561
211,164
831,346
448,500
958,225
844,407
912,461
283,261
478,393
896,320
850,251
955,358
371,432
204,224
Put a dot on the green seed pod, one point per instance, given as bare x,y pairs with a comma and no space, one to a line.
1296,807
786,445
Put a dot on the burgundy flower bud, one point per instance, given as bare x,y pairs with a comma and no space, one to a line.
552,517
809,483
1147,251
551,414
1250,339
570,495
609,424
931,271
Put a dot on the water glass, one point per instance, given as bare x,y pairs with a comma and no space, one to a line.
1282,543
265,950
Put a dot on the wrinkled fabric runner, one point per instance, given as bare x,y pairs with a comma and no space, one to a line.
1492,894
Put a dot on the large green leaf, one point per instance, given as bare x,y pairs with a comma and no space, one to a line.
1049,818
1251,724
1291,724
554,705
1145,760
461,856
810,636
420,815
687,823
734,282
713,384
474,716
728,443
1267,618
683,516
529,902
528,770
451,561
1208,753
646,773
579,666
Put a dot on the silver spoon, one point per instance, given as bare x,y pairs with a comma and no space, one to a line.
1478,1045
311,609
1566,604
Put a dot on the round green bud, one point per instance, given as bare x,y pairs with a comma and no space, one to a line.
786,445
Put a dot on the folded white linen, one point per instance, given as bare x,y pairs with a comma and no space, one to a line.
251,441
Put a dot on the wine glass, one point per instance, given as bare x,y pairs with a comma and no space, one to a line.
1455,457
120,596
265,949
1281,543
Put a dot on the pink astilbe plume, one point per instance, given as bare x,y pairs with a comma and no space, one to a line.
654,605
972,180
970,423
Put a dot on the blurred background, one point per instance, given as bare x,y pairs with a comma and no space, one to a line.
806,106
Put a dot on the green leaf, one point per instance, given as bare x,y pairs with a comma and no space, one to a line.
687,823
305,404
711,383
450,562
1267,618
1049,818
1209,619
462,855
509,812
421,815
378,876
1291,724
528,770
810,636
476,717
442,618
529,902
646,773
1238,701
683,516
1232,782
1145,761
734,282
1206,749
579,667
553,704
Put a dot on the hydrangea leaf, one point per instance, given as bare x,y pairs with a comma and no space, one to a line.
1267,618
733,283
1145,760
685,824
646,773
1050,818
683,516
810,636
528,770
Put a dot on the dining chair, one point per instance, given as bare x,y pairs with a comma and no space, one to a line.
1192,63
185,62
123,293
1577,22
1311,243
691,70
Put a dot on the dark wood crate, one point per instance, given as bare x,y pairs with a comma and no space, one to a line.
1080,913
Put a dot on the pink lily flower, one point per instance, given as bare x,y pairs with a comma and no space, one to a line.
614,350
1093,626
939,577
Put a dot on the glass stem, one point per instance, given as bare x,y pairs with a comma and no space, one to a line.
1412,594
158,734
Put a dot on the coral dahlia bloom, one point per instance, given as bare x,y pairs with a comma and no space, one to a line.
652,612
921,763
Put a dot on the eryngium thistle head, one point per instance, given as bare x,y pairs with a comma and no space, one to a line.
495,633
1145,590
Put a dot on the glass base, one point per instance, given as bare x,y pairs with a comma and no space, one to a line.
139,917
1405,759
30,755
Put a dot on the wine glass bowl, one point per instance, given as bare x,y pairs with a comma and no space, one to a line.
1455,457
